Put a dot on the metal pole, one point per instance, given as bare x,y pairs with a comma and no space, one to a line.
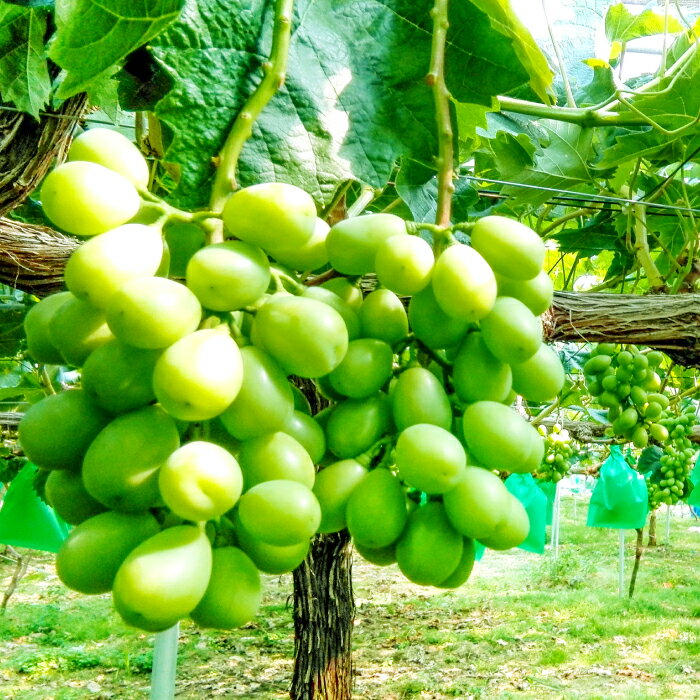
621,580
668,524
164,664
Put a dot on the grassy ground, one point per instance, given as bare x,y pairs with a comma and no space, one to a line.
524,626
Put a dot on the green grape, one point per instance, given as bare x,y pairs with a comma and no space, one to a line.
512,530
228,276
164,578
429,458
499,438
121,465
365,369
334,485
348,291
349,315
200,481
92,553
76,329
233,594
404,264
477,374
280,513
275,456
429,549
265,401
477,504
352,244
309,256
418,397
56,432
535,293
511,332
153,312
540,378
356,424
87,199
37,326
431,324
307,337
383,316
464,569
119,377
463,283
111,149
66,494
271,214
376,511
307,431
199,376
557,453
381,556
597,364
511,248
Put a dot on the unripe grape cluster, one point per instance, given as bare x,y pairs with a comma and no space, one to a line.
669,483
187,459
625,381
558,452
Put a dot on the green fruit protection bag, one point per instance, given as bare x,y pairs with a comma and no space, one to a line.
620,498
25,520
694,496
525,489
549,489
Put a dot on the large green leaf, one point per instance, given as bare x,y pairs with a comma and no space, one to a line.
355,99
24,75
623,26
94,36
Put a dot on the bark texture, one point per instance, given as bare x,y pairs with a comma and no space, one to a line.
664,322
584,431
324,611
28,148
652,530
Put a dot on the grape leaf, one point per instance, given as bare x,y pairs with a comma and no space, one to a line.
92,37
649,460
621,25
355,98
24,74
601,86
31,3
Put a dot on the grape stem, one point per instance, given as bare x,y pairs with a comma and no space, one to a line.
436,80
274,76
284,282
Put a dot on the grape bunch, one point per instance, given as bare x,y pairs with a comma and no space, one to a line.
669,482
558,452
187,458
625,381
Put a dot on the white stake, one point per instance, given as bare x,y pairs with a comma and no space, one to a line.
556,520
621,581
668,525
164,664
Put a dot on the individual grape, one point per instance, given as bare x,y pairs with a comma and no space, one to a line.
352,244
464,569
228,276
305,336
66,494
198,377
87,199
356,424
463,283
153,312
511,248
382,556
121,466
280,513
477,374
37,324
536,293
164,578
307,431
418,397
429,548
112,150
383,316
270,215
334,485
431,324
429,458
326,296
275,456
365,369
56,432
200,481
512,531
234,592
347,290
511,332
311,255
92,553
540,378
404,264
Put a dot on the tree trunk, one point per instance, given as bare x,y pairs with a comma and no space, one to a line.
637,559
651,542
324,611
